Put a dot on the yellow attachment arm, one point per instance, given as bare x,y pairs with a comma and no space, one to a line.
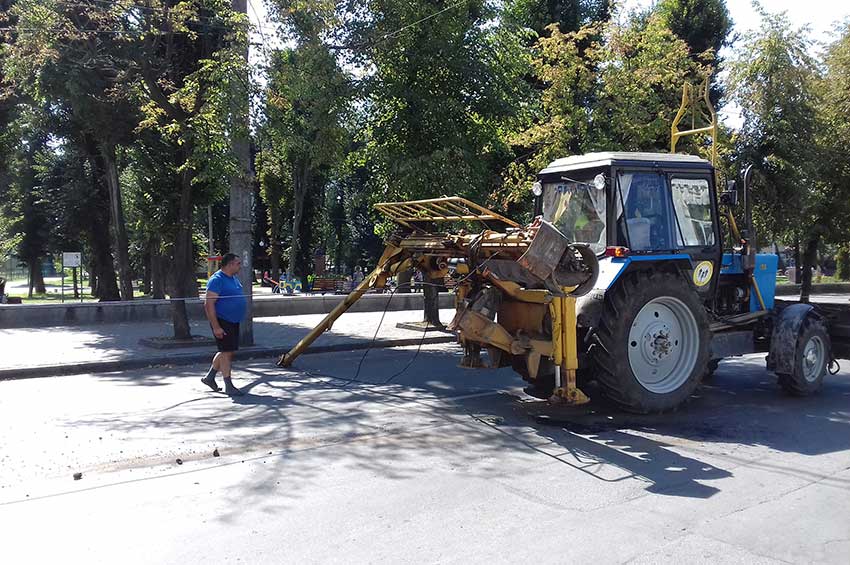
392,261
446,209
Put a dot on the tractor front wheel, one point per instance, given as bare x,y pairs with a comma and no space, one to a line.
652,342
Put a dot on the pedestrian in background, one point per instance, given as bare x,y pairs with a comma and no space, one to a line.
225,307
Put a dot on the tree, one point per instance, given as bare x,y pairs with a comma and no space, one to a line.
703,24
774,81
834,137
24,200
307,96
612,86
440,92
61,59
569,15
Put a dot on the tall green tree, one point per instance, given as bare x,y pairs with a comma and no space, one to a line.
307,97
834,138
608,87
443,82
703,24
62,59
774,80
24,201
569,15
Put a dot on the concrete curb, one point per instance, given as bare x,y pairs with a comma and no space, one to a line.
201,357
74,314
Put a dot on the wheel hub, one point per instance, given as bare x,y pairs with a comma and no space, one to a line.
813,359
663,344
657,344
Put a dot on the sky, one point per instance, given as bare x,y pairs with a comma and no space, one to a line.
819,14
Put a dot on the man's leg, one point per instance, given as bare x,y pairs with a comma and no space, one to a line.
209,380
226,364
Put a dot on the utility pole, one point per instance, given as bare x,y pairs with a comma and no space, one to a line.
242,188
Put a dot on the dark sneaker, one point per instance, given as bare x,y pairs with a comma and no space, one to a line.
210,382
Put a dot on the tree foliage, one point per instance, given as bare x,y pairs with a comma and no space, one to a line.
608,86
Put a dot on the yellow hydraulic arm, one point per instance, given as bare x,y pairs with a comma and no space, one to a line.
393,261
418,247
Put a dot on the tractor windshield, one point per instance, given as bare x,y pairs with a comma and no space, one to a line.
577,208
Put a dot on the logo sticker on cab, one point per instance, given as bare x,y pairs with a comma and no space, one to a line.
703,272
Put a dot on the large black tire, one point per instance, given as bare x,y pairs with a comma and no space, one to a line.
812,357
651,346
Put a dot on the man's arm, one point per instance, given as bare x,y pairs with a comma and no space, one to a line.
209,310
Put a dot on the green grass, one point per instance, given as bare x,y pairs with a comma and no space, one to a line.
823,280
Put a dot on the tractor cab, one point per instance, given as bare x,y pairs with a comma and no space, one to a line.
636,207
647,202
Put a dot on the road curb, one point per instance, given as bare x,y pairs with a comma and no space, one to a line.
200,357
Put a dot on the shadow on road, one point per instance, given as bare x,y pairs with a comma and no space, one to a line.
300,422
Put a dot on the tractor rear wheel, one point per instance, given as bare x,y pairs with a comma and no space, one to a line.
812,358
652,342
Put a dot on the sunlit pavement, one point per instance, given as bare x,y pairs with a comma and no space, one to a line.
435,464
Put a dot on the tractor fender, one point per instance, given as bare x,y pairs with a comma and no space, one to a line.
783,341
589,306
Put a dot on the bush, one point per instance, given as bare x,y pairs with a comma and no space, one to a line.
842,261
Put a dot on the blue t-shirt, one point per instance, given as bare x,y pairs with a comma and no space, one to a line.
231,303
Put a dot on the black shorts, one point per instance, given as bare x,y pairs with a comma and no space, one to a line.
230,341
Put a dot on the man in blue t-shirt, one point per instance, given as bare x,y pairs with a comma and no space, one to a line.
225,307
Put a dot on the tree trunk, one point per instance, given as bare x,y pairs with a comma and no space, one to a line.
274,243
405,282
809,259
157,273
146,271
103,283
92,277
39,277
30,278
300,179
185,285
431,296
76,289
798,263
119,228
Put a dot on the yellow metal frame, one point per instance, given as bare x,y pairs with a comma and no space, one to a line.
445,209
691,99
565,348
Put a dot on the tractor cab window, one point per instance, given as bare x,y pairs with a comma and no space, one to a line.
646,222
577,208
692,202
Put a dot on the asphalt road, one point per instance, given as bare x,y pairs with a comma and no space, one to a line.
439,464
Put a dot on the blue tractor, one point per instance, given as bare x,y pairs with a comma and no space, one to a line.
622,278
671,300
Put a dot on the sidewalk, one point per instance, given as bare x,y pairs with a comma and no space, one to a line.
112,347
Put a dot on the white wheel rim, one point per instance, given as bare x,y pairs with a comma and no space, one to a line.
663,345
814,358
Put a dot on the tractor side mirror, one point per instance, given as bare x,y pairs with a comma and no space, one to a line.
729,198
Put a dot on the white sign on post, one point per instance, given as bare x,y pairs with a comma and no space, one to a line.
74,259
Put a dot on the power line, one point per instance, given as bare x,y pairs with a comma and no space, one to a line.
417,22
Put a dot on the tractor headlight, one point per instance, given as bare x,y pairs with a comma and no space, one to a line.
599,181
537,189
